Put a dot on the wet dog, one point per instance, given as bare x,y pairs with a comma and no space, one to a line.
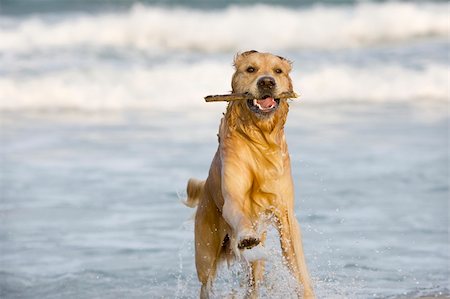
250,178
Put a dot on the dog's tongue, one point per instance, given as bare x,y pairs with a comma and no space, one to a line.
267,102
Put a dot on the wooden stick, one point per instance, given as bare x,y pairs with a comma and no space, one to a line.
245,96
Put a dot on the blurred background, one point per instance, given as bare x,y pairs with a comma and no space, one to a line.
102,122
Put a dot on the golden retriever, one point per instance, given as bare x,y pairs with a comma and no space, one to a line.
250,180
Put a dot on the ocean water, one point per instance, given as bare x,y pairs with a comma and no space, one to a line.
103,122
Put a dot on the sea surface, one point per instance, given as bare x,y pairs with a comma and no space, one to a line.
102,122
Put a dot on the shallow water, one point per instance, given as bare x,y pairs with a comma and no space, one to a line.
90,203
103,122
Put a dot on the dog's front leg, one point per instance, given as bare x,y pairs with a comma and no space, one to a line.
236,184
292,247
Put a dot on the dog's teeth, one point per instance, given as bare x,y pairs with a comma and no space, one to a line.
255,103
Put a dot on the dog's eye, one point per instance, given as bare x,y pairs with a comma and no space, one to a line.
250,69
278,71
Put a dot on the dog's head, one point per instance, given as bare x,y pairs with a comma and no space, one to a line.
265,76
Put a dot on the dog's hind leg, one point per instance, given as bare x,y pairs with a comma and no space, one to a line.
292,248
209,236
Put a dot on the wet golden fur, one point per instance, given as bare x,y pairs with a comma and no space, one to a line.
249,181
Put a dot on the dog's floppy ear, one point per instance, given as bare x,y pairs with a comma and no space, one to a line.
242,55
284,59
289,63
246,53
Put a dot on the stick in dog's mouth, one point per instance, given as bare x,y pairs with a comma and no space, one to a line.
248,96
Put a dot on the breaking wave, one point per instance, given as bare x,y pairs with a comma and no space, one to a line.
153,28
166,87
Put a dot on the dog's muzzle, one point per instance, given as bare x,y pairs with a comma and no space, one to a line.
265,102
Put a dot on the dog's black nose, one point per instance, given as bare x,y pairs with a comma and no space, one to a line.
266,82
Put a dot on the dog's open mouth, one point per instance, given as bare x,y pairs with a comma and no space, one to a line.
266,104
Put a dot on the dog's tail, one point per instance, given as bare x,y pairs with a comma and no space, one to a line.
194,190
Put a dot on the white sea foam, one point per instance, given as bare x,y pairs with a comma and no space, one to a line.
174,86
382,83
265,27
256,253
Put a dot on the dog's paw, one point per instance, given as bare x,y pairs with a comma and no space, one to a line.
248,242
